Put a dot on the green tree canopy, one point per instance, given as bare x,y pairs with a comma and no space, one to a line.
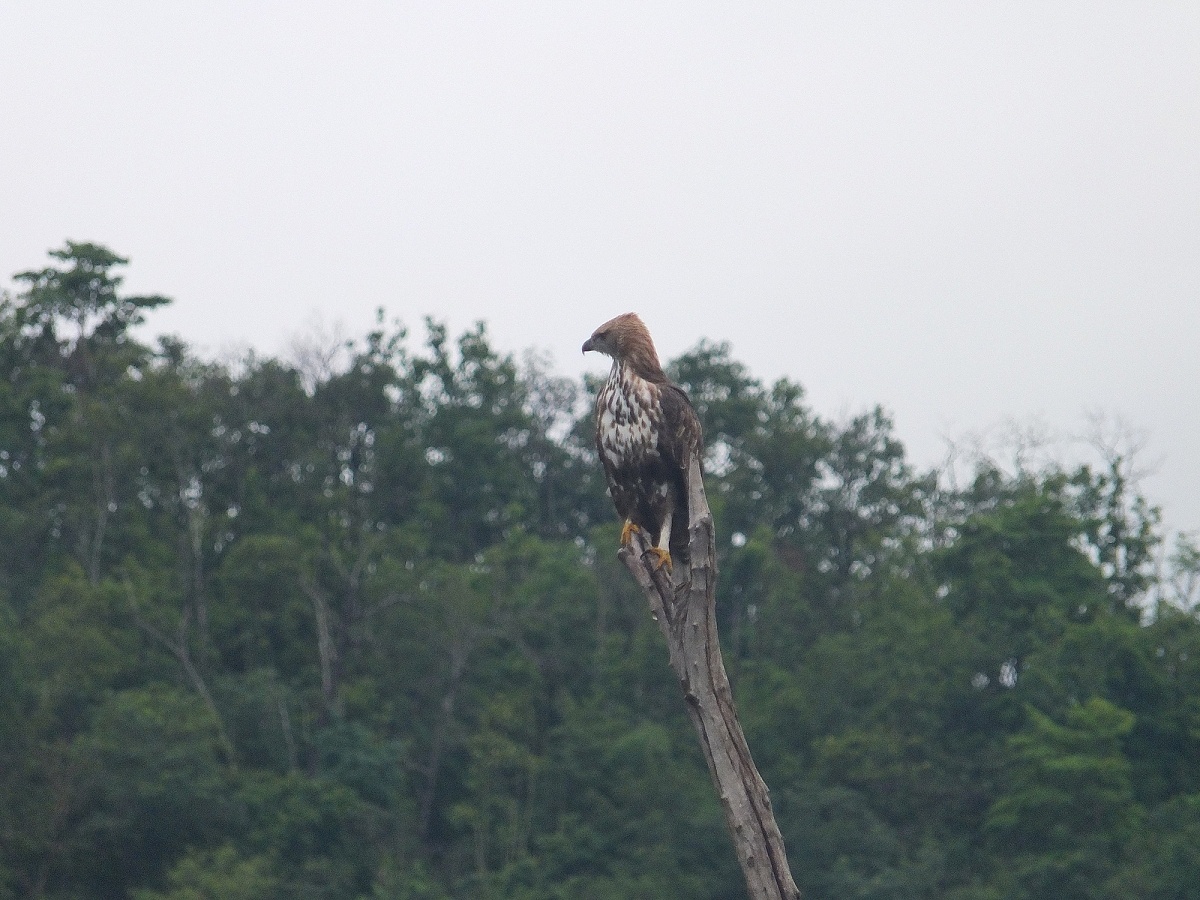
356,629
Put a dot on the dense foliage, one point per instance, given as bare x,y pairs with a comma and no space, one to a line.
354,628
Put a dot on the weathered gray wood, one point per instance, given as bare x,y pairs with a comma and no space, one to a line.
685,609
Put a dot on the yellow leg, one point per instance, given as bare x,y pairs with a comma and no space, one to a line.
664,557
627,532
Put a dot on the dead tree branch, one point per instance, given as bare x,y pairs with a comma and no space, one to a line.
686,613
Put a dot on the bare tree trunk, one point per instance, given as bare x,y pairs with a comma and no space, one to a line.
327,651
102,481
460,652
686,613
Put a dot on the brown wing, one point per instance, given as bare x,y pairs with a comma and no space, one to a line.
680,440
681,436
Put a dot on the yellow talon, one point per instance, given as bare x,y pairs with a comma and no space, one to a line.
664,557
627,532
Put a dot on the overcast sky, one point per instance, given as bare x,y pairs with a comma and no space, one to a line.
971,213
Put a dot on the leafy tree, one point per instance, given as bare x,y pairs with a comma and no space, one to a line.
218,875
351,626
1068,806
1161,860
1014,562
81,298
151,784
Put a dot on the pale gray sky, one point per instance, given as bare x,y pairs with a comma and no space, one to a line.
968,212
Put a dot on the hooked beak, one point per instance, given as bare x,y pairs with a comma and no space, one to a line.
587,345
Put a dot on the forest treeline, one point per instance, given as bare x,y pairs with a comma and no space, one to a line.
352,626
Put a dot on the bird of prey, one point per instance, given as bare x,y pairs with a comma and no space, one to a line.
647,434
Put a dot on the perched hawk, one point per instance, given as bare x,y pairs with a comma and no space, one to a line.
647,435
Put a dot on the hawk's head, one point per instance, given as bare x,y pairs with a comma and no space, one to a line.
627,341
